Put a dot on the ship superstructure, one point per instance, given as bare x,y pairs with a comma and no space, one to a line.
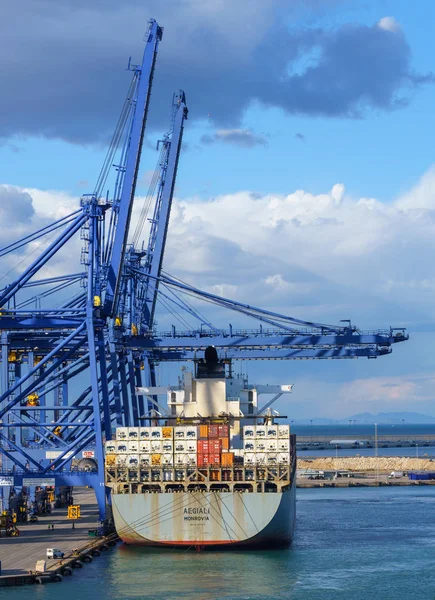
219,471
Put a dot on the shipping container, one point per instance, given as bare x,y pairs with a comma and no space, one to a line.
133,433
180,446
214,446
145,447
191,433
110,460
223,431
133,446
180,432
144,433
213,432
272,445
203,432
283,445
167,459
260,431
167,446
191,459
145,459
284,458
156,433
156,459
123,447
121,433
121,460
261,458
167,433
284,431
111,447
202,460
167,475
249,445
250,458
225,443
203,446
227,459
191,446
260,445
272,432
156,446
180,459
133,460
249,431
272,458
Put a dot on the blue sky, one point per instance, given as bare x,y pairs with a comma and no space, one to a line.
283,97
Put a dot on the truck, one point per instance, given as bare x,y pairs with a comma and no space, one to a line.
395,475
54,553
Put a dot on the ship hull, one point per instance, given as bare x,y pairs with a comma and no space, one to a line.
206,519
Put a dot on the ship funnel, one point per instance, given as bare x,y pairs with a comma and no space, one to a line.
210,367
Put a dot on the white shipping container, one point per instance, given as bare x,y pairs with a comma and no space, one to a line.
180,459
260,431
133,446
145,447
133,460
123,447
249,431
272,445
121,460
260,445
272,432
144,433
156,433
111,447
133,433
191,459
156,446
145,459
249,445
167,475
167,446
272,459
261,458
180,432
191,433
250,458
284,458
121,433
191,446
284,431
180,446
167,459
283,445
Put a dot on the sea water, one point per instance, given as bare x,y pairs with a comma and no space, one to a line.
349,544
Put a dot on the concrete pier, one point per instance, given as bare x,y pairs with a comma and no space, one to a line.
18,555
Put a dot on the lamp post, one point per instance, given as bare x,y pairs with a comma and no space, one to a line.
416,450
376,453
336,451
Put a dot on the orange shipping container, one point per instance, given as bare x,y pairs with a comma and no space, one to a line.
227,459
110,459
156,459
167,432
203,432
225,443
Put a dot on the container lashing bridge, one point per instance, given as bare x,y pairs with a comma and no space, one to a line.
75,347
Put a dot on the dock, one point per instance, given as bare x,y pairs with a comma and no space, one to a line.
18,555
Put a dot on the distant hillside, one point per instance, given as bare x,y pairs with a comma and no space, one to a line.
391,418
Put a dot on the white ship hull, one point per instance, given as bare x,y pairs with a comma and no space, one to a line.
200,519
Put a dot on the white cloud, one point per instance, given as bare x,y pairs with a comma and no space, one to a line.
389,24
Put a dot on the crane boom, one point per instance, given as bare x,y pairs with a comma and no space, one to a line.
141,101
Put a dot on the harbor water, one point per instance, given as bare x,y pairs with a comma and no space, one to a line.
349,543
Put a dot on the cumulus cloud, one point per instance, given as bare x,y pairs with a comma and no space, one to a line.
226,55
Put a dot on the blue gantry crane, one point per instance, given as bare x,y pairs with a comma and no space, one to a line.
75,347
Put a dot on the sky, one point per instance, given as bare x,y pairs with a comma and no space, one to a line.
307,177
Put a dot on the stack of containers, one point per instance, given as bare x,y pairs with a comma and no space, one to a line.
266,445
213,446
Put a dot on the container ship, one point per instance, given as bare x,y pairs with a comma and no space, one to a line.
212,470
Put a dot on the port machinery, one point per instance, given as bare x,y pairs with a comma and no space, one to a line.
78,349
